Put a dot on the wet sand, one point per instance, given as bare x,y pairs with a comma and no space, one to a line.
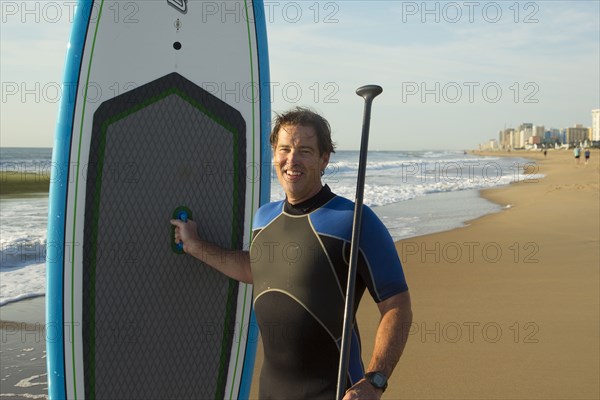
23,350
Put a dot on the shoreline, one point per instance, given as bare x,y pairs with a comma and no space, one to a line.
455,209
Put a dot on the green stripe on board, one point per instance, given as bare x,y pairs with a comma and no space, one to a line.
225,342
87,81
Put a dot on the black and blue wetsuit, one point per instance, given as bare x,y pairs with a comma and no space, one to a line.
299,257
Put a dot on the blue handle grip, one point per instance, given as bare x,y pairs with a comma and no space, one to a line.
183,214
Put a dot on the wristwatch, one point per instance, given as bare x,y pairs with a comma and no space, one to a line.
377,379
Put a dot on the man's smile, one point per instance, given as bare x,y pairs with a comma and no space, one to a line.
292,174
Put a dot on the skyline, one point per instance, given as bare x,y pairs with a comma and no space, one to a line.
453,73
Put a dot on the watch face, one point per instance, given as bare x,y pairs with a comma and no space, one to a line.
378,380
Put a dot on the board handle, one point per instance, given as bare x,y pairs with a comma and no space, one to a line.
182,213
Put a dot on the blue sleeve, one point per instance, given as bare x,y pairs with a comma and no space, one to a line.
383,274
379,264
265,214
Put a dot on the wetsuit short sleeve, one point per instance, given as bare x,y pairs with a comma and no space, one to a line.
383,275
382,270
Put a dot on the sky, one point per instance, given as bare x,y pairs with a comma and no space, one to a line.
453,73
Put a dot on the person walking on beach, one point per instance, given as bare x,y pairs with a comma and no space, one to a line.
299,293
586,155
577,154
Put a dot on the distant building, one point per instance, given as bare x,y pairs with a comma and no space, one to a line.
519,139
577,134
596,125
523,133
552,136
492,144
505,139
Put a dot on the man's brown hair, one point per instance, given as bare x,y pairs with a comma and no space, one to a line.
304,117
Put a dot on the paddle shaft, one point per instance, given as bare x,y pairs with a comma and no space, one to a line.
368,93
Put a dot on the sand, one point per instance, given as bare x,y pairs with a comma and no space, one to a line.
507,307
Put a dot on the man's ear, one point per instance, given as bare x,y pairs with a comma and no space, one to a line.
325,160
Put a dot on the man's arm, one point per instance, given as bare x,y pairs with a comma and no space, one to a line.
233,263
392,333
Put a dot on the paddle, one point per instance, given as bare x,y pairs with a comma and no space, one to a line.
368,93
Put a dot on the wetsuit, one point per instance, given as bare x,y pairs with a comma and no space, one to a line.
299,256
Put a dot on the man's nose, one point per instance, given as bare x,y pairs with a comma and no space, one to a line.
292,156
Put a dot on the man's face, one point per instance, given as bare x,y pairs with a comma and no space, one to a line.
298,162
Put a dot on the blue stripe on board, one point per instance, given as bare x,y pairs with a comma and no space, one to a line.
58,202
265,102
265,176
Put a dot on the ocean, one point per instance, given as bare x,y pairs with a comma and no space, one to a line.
413,192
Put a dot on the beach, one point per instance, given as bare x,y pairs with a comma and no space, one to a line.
508,306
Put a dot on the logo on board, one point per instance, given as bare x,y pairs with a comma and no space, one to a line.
179,5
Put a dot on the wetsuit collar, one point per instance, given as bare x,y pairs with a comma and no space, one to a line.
311,204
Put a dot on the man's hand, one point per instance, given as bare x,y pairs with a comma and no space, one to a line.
363,390
233,263
186,232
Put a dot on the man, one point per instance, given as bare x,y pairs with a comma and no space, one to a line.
299,289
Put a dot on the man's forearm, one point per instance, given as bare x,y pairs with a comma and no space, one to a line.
233,263
391,336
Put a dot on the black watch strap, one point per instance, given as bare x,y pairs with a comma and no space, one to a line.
377,379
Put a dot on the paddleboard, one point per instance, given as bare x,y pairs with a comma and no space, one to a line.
165,113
